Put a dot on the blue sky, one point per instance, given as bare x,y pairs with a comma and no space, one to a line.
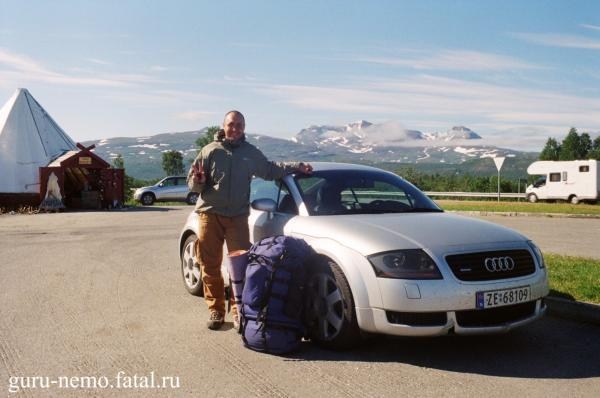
516,72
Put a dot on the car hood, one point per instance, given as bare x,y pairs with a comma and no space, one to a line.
438,232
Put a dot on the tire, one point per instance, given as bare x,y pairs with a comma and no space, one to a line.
532,198
190,270
148,199
330,313
574,200
192,198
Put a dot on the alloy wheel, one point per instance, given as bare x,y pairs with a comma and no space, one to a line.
190,269
325,307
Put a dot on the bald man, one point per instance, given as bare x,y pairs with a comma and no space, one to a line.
222,173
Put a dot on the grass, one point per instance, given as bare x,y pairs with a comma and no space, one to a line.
521,207
574,278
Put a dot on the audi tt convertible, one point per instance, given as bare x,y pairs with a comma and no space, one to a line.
390,260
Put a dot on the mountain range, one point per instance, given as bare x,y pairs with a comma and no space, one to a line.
360,142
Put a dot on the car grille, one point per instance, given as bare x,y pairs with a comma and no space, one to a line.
495,316
417,318
471,266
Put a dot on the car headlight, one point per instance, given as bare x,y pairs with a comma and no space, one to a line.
404,264
538,254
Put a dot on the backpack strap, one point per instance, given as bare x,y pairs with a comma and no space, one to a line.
264,303
258,259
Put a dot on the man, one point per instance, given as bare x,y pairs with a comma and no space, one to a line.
221,174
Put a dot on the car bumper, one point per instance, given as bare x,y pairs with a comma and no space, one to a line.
438,307
379,321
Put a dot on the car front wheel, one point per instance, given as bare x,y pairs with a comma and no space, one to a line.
190,269
147,199
532,198
330,313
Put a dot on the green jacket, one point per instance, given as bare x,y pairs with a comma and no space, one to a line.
229,168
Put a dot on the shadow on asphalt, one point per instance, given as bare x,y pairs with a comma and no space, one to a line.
128,209
549,348
152,208
567,296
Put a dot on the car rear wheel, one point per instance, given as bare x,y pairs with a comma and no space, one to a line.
330,313
192,198
147,199
574,200
190,269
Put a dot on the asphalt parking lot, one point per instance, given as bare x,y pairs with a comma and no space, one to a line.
99,294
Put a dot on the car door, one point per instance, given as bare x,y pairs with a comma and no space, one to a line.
164,190
264,224
181,189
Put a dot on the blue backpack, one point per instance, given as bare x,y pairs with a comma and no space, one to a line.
273,296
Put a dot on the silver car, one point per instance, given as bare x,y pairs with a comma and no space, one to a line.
391,261
169,189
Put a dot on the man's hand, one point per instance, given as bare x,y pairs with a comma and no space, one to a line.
199,176
305,168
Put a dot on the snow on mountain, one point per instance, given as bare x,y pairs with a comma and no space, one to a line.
457,133
391,142
359,141
363,136
350,137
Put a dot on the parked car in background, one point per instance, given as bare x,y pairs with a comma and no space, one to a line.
169,189
390,260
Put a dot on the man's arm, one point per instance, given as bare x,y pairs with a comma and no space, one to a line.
269,170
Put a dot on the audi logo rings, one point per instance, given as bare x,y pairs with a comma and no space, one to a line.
499,264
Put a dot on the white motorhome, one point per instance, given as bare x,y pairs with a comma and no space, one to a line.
573,180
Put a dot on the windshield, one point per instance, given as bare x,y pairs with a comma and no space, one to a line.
540,182
360,192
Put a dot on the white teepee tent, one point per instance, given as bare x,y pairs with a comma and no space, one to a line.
29,139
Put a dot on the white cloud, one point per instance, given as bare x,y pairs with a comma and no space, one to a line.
454,60
519,137
558,40
20,69
229,78
98,61
155,97
188,96
195,116
20,62
248,45
22,78
387,132
427,97
594,27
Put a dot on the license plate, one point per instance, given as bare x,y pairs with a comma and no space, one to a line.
499,298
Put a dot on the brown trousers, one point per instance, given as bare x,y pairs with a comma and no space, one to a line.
214,230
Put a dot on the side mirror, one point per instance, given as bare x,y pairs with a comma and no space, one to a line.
264,204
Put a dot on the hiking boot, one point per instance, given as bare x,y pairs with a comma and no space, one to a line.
215,321
236,322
